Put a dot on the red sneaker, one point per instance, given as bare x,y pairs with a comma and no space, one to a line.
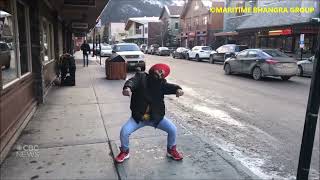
123,155
174,154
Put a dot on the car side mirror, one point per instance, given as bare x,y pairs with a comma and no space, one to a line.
113,51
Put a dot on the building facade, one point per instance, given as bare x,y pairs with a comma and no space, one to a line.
198,25
33,34
137,29
116,31
273,30
170,19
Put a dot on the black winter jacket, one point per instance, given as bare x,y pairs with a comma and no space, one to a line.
147,91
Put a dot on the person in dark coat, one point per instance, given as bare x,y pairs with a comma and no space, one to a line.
147,106
85,48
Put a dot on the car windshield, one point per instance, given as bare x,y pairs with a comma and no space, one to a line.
206,48
106,47
127,47
274,53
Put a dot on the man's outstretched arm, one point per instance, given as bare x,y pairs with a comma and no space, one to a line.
131,84
169,88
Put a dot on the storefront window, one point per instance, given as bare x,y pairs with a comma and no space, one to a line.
22,14
45,41
8,60
14,41
288,44
271,43
263,42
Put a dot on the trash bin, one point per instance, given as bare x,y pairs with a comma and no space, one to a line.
67,68
116,68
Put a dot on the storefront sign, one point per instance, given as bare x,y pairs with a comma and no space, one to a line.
280,32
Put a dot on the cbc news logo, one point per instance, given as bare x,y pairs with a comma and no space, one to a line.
27,151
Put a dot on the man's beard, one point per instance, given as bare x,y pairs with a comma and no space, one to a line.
155,77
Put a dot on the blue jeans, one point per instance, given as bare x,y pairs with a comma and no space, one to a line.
85,56
131,125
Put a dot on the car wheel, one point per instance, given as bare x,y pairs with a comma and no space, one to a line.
257,73
187,57
300,71
211,60
227,69
198,58
285,78
143,68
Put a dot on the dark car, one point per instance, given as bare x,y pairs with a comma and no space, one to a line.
163,51
225,51
180,52
261,63
5,55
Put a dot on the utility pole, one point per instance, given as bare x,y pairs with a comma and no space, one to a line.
94,41
311,117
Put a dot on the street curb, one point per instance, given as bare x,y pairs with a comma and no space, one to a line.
119,166
240,168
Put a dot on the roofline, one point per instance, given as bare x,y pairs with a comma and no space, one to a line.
185,7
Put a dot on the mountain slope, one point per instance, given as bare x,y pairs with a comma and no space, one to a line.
121,10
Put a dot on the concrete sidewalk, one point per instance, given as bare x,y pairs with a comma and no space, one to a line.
75,135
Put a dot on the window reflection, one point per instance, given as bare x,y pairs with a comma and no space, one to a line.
7,46
45,41
23,41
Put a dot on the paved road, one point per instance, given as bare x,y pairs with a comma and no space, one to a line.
260,123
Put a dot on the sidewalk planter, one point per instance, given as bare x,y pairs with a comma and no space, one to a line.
116,68
67,68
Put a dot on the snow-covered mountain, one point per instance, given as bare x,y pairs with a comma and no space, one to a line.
121,10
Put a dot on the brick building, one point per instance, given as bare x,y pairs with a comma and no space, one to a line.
198,25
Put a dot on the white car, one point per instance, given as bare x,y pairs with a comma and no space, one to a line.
132,54
199,53
106,51
305,67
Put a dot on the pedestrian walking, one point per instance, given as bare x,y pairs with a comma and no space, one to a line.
147,106
85,48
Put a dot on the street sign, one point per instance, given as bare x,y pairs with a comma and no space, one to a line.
301,41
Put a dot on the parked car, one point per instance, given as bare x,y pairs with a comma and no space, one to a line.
132,54
163,51
97,47
153,48
146,50
106,51
5,55
171,49
143,47
261,63
226,51
305,67
180,52
91,46
199,53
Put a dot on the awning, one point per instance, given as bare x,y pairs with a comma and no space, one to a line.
82,15
226,33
